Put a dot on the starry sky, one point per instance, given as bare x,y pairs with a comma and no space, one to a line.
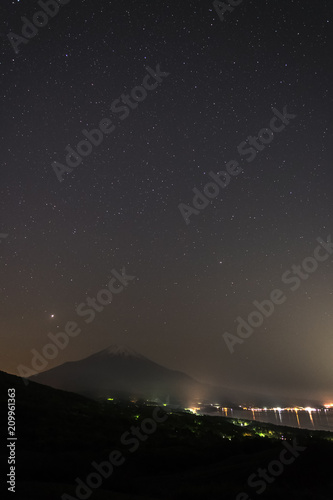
120,206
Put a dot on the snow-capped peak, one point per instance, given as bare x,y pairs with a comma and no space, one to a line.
121,350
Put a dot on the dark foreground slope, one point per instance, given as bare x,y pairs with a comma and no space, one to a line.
61,434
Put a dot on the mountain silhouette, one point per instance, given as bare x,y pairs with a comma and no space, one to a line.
119,370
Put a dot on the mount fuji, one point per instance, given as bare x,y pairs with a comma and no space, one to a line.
119,370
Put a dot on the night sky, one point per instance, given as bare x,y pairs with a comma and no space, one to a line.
119,208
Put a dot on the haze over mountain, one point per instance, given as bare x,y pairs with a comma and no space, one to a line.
121,371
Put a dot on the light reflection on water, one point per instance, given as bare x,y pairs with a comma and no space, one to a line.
305,419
